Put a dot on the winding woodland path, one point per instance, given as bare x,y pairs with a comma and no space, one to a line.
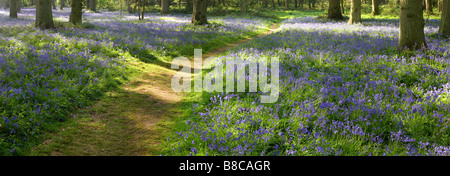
130,121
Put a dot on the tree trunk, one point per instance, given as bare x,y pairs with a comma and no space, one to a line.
199,13
429,4
375,7
44,15
287,4
19,5
76,12
165,7
61,4
87,4
13,8
93,5
444,28
355,14
334,10
143,9
342,7
411,25
53,4
440,5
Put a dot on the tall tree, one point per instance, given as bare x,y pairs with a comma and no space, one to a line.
429,6
355,14
375,7
61,4
44,15
165,8
334,10
444,28
13,8
93,5
53,4
199,12
411,25
76,12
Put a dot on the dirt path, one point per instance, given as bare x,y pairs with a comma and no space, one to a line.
128,122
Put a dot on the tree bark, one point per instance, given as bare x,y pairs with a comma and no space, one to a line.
334,10
287,4
429,6
199,12
165,8
375,7
76,12
444,27
61,4
13,8
411,25
44,15
93,5
19,5
355,14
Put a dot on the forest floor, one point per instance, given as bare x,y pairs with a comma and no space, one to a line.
130,121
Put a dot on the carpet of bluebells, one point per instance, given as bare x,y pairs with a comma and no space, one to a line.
344,90
47,74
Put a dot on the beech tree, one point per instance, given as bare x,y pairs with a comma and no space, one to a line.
13,8
444,27
199,12
76,12
44,15
411,25
429,6
355,14
334,10
61,4
375,7
165,7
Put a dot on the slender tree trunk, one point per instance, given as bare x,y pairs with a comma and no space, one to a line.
93,5
334,10
199,13
76,12
411,25
44,15
342,7
61,4
429,4
375,7
440,5
19,5
53,4
444,28
13,8
287,4
165,7
143,9
87,4
355,14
